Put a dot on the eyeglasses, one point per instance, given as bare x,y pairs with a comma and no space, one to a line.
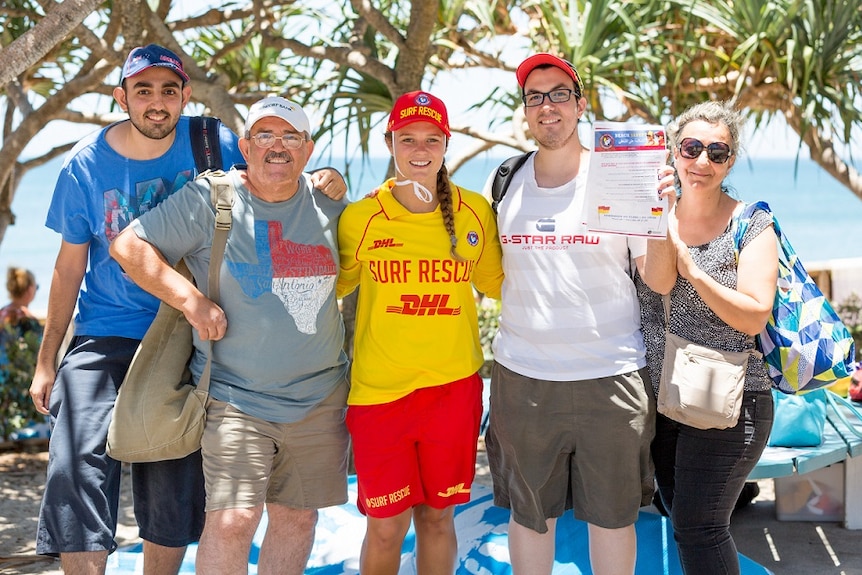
556,96
717,152
267,140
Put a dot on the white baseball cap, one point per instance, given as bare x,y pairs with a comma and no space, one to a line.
278,107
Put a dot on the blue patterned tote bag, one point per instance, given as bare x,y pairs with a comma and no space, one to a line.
805,344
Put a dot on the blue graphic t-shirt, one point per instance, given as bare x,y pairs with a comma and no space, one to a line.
283,350
98,193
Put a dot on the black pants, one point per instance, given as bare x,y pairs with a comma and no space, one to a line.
700,474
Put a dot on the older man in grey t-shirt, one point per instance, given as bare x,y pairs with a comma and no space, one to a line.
278,381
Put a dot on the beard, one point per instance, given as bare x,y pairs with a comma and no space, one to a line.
553,135
555,141
153,131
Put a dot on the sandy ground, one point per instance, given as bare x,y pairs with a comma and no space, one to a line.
22,476
785,547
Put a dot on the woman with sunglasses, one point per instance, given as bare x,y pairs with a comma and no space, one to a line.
721,297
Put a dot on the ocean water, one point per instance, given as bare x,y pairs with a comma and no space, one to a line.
817,214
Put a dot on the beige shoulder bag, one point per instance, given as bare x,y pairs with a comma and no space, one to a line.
159,413
700,386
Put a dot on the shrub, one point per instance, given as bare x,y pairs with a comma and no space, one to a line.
489,322
16,408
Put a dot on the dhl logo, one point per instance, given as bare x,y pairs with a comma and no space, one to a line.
428,304
454,490
384,243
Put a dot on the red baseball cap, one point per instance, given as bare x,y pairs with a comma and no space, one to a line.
418,106
545,59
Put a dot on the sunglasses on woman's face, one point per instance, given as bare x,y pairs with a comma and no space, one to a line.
717,152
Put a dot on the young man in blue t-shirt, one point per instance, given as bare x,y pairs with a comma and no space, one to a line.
110,178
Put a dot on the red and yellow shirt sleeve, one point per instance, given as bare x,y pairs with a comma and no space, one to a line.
416,321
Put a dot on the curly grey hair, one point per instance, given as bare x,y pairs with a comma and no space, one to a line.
713,113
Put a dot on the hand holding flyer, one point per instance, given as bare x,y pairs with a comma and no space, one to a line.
622,193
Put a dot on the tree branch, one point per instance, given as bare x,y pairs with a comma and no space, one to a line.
375,17
822,151
359,60
34,122
33,45
209,89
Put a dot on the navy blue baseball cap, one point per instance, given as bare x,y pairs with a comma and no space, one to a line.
144,57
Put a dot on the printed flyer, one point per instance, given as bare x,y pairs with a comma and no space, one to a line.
622,194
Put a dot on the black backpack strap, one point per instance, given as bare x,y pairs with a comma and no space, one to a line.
503,177
206,146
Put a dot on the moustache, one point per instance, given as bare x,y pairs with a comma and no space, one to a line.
283,156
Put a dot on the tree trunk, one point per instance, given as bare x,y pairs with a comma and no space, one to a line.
822,151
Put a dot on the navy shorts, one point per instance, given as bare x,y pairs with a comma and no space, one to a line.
82,488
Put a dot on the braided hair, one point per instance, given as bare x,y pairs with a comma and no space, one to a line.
444,196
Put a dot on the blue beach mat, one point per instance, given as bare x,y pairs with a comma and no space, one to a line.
482,544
